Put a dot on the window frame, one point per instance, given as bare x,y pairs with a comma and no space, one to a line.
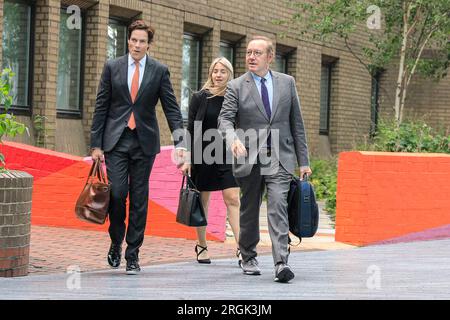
326,131
78,114
192,36
27,110
229,44
124,22
285,58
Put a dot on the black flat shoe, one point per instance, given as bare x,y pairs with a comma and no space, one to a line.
199,252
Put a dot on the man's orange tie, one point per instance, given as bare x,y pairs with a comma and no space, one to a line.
134,91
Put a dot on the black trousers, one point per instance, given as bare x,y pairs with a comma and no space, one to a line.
128,171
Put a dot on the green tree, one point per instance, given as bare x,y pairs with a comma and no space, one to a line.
411,33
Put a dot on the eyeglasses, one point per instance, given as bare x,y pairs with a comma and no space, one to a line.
257,53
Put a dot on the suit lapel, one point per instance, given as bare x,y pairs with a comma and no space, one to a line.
147,77
124,76
255,94
276,94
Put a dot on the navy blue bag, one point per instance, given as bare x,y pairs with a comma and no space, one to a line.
303,211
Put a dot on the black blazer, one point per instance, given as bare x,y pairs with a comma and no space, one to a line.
197,112
197,109
113,106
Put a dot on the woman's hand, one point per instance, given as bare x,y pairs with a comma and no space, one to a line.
186,169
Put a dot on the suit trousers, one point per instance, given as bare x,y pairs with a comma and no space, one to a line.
128,171
277,182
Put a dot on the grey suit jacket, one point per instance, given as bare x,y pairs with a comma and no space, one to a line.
243,109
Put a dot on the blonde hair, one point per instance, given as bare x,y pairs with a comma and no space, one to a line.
209,85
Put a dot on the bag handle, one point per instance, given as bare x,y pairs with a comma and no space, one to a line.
305,177
96,171
188,182
92,172
191,182
100,172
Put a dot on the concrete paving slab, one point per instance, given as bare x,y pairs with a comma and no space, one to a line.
416,270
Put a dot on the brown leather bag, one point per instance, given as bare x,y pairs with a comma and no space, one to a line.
93,203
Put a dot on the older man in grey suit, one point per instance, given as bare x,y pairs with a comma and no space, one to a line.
268,145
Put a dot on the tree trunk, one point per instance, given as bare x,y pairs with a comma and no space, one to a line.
401,76
402,101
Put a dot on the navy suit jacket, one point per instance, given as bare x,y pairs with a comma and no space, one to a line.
113,106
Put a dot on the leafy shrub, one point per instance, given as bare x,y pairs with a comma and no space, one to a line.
324,180
8,124
410,136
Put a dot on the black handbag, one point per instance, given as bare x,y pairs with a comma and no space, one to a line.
303,211
190,209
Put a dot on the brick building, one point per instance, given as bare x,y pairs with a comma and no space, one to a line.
58,58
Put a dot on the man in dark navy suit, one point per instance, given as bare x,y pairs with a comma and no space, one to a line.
125,130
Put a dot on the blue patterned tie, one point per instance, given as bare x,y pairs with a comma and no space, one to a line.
265,97
265,100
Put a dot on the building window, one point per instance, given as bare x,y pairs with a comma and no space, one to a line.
227,51
190,70
325,94
16,49
374,102
117,39
280,64
69,67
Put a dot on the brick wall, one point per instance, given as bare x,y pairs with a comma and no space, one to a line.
305,65
46,64
15,210
237,22
392,197
96,28
59,179
167,48
426,99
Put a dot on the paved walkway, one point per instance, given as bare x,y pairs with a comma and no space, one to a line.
71,264
417,270
53,250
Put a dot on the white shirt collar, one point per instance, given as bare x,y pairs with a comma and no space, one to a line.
267,76
131,61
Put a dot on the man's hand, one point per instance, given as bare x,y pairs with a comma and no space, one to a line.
303,170
97,153
238,149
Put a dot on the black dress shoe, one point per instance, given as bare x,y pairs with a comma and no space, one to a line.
114,255
133,267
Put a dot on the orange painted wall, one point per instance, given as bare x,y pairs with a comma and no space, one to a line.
59,179
382,195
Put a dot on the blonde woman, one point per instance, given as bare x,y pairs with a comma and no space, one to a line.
204,108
